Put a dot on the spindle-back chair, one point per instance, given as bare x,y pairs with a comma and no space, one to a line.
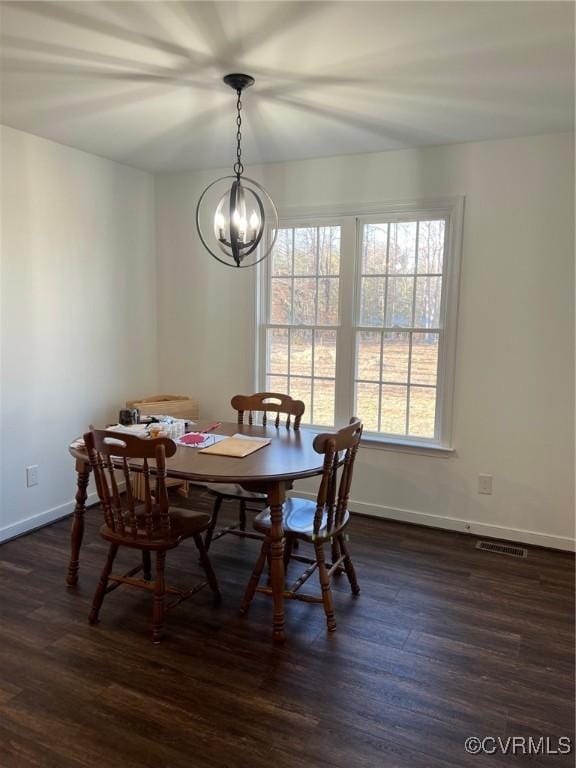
150,525
260,404
317,523
269,402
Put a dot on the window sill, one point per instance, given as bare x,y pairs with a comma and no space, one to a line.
379,443
406,446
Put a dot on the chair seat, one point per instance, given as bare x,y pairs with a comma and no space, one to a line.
234,491
183,524
298,520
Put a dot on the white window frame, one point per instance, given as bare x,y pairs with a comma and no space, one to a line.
351,218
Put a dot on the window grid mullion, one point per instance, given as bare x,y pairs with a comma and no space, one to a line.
394,329
380,388
292,279
337,276
411,336
289,356
389,383
409,373
316,315
314,329
357,307
262,372
380,381
291,308
280,326
401,274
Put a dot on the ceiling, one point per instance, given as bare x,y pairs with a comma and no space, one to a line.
140,82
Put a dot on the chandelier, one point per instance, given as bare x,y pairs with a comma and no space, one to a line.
236,218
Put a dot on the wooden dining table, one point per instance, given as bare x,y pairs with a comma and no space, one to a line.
270,470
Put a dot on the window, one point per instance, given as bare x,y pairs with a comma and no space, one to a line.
303,313
398,332
358,316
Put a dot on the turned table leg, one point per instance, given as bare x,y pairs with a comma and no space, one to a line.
276,496
83,473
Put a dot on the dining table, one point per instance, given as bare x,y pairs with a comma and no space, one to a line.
272,470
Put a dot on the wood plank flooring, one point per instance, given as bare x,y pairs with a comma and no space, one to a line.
445,642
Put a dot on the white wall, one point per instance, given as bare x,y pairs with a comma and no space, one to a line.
513,409
78,312
79,315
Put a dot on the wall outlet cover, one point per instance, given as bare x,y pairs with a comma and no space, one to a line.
32,475
485,484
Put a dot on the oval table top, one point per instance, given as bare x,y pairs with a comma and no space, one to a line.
290,456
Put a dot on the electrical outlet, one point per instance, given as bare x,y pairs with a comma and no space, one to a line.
32,475
485,484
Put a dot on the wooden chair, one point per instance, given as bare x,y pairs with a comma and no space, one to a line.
317,523
151,526
263,403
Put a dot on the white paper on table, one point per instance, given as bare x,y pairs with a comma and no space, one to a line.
140,430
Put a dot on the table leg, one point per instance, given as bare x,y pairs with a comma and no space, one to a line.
276,496
83,473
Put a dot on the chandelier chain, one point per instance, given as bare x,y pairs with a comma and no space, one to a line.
238,167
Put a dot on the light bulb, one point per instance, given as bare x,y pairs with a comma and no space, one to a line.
236,217
254,221
219,225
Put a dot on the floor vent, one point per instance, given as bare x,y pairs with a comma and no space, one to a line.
502,549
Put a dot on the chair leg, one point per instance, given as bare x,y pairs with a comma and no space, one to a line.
102,584
348,566
289,542
207,565
255,577
269,566
336,552
146,565
325,585
213,521
242,515
158,608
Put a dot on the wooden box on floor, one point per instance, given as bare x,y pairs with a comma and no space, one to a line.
139,491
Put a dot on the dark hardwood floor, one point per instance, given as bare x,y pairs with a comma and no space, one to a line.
445,642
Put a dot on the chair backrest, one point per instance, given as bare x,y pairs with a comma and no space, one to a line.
268,402
333,495
109,452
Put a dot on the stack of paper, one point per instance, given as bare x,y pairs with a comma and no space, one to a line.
237,446
140,430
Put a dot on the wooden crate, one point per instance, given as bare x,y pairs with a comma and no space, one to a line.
138,487
177,406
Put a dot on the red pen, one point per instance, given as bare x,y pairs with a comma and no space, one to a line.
210,427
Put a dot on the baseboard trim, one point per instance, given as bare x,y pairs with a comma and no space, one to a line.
41,519
362,508
455,524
